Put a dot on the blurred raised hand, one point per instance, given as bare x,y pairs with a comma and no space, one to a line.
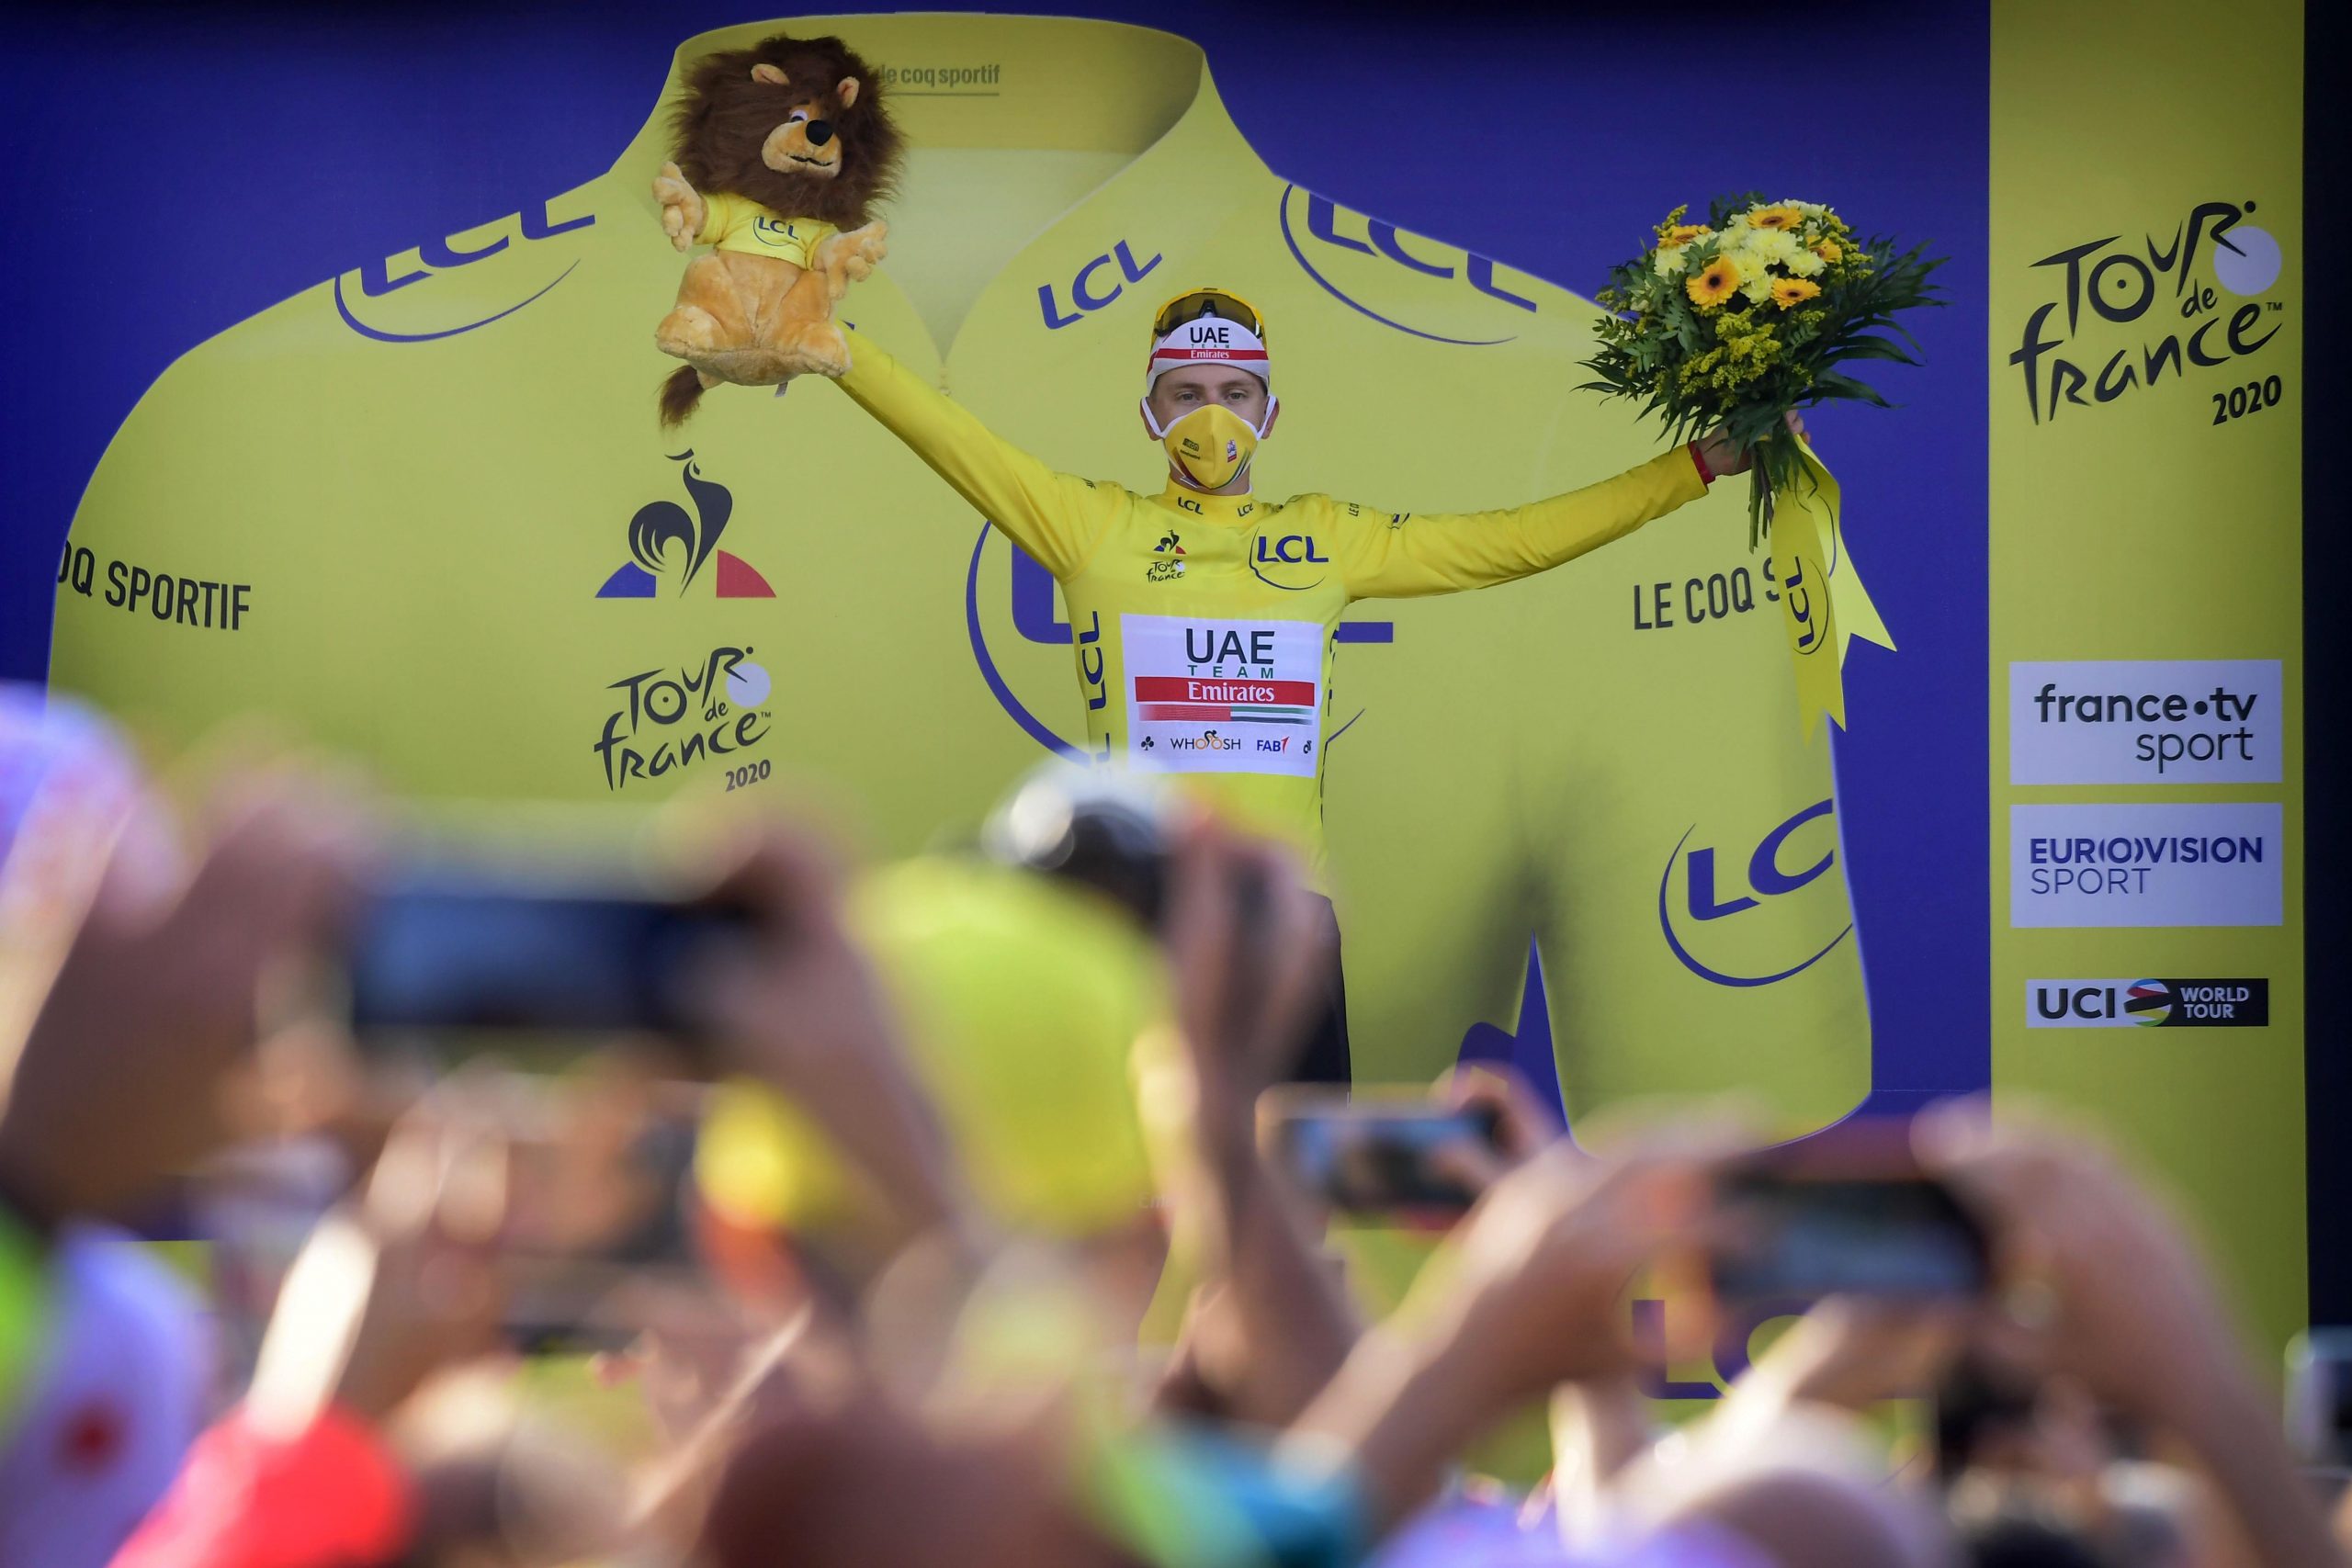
1241,946
1522,1128
2101,1285
1270,1320
161,996
397,1284
1528,1293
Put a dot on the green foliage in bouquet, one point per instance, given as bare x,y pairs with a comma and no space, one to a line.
1738,320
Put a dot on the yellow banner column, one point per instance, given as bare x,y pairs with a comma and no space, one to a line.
2145,580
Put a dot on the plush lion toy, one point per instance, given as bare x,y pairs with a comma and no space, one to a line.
782,149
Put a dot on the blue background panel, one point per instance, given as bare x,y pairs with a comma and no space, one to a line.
183,168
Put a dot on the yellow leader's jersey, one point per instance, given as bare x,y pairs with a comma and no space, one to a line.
422,512
739,223
1205,626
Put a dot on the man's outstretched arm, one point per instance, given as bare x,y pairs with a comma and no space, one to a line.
1402,555
1057,518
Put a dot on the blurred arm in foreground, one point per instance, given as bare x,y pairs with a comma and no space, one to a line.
1270,1321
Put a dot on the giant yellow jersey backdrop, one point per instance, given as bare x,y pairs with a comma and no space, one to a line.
428,516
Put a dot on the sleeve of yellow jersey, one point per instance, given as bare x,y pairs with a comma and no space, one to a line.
1057,518
1401,555
722,215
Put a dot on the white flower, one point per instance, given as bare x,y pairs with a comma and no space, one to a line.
1771,244
1804,264
1754,265
1671,260
1759,287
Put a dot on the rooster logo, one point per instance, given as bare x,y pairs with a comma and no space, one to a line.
663,540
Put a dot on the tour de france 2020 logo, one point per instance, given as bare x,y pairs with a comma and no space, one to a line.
666,719
2135,312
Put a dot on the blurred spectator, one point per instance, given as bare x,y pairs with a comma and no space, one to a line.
115,1395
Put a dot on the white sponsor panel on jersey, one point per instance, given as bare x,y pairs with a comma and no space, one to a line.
1222,696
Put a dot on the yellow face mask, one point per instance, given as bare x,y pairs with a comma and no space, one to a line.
1208,446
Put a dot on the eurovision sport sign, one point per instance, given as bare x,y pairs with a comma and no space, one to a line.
394,480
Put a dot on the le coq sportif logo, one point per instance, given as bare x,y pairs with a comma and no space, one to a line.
667,543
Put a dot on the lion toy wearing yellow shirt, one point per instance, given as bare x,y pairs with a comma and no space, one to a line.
781,150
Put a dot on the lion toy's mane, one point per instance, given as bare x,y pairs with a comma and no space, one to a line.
724,116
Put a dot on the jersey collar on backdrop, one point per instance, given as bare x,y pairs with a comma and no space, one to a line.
1149,90
1191,158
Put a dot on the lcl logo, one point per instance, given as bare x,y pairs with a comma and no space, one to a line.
1745,937
1087,291
1291,548
1319,217
439,257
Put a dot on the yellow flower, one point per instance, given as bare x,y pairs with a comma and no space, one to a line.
1683,234
1792,291
1829,249
1780,216
1714,286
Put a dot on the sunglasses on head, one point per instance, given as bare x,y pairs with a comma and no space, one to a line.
1198,302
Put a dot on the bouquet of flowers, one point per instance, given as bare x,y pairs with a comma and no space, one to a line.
1736,320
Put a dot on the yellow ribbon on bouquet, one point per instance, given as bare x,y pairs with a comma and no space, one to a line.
1824,606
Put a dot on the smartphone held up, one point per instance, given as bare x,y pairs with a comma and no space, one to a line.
1405,1158
560,950
1845,1215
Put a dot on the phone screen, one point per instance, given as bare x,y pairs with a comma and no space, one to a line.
1809,1238
1367,1159
452,955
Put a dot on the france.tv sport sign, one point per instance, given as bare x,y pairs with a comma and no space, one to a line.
2146,721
